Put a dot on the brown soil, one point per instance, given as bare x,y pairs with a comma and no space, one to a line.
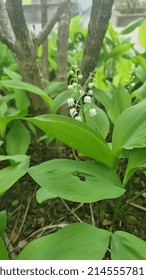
28,220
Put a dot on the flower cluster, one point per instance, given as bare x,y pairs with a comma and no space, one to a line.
83,94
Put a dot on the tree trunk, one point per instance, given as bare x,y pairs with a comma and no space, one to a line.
62,45
100,15
62,51
45,64
25,52
14,33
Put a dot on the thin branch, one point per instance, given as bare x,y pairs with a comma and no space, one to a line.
92,214
10,247
18,21
138,206
71,211
25,214
51,22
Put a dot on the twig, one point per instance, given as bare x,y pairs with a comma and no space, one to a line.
50,24
78,207
9,246
74,154
138,206
51,227
14,228
25,215
45,228
92,215
71,211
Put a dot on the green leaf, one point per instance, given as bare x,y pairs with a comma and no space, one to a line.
120,101
137,159
98,122
119,51
3,251
21,99
124,72
140,61
132,26
17,139
55,88
77,135
13,75
42,194
12,173
61,99
99,80
102,96
15,84
3,222
141,35
77,181
6,119
125,246
141,92
140,73
130,128
74,242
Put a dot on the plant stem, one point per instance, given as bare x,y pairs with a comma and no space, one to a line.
133,198
102,209
116,212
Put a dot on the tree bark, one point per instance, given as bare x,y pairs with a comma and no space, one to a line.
51,22
6,31
26,52
99,19
62,44
14,33
45,64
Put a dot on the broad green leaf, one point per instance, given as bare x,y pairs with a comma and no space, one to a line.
17,139
124,72
137,159
77,135
3,104
15,84
140,73
3,108
42,194
120,101
141,92
125,246
130,128
99,80
21,99
98,122
6,119
3,222
61,99
77,27
3,251
114,35
141,35
102,96
13,75
12,173
55,88
77,181
74,242
140,61
132,26
119,51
